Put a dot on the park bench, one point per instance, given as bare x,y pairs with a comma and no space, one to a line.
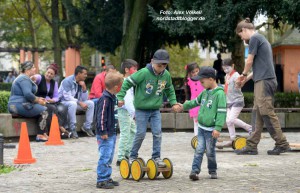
10,124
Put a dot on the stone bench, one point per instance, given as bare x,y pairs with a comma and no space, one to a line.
10,127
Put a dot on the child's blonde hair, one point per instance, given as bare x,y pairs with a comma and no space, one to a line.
113,79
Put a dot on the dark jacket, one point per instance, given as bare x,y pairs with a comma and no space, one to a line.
42,88
105,116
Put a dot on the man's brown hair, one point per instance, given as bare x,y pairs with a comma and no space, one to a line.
246,23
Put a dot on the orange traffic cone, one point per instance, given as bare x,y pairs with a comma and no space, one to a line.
54,136
24,151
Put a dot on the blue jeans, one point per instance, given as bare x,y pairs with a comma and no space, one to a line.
106,149
73,107
26,109
142,118
208,143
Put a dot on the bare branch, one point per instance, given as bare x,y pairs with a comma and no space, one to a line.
263,24
43,14
17,10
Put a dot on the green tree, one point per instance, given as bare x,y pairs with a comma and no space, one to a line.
99,21
221,18
21,25
54,23
181,56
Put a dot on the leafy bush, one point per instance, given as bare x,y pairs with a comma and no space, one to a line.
291,100
5,86
248,98
4,96
282,100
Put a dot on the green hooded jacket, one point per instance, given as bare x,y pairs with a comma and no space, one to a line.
212,111
149,88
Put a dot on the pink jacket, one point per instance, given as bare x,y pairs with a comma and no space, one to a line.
98,86
196,88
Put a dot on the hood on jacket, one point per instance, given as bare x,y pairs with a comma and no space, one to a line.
150,68
108,94
216,89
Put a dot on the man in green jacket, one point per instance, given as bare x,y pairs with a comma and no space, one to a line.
150,84
211,118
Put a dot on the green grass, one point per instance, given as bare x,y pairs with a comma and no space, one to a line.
251,164
4,169
85,170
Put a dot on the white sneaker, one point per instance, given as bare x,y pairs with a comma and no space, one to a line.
160,163
130,160
250,131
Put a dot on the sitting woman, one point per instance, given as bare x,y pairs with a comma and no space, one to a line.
48,89
22,100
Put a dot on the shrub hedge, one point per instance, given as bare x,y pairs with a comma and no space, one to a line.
5,86
282,100
4,96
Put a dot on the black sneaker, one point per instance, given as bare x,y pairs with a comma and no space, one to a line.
213,175
278,150
105,185
115,183
89,132
118,163
74,134
194,176
245,151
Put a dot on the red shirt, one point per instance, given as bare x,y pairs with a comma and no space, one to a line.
98,86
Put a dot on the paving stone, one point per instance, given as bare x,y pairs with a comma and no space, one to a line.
72,168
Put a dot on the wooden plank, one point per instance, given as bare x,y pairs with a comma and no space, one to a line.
295,145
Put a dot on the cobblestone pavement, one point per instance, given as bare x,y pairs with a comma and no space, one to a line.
72,168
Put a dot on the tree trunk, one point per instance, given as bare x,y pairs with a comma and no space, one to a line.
56,35
270,31
68,30
31,26
134,19
238,54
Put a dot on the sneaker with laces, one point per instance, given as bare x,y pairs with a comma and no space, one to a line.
194,176
105,185
89,132
246,151
278,150
160,162
130,160
250,131
74,134
213,175
115,183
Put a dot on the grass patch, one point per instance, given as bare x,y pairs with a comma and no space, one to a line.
251,164
4,169
85,170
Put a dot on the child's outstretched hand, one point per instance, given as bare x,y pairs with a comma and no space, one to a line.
177,107
120,103
215,134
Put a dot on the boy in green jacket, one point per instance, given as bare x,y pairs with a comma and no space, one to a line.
150,84
211,118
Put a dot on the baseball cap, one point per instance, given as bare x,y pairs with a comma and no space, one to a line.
205,72
161,56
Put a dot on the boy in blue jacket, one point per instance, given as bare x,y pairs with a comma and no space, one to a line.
105,130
